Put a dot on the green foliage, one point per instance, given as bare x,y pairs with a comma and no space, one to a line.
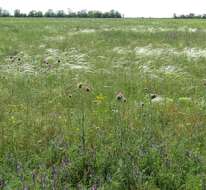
88,104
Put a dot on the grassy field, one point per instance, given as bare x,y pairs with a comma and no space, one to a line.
102,104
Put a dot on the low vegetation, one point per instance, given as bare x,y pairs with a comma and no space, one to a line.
102,104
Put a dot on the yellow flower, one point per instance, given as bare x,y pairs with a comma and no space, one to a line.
100,98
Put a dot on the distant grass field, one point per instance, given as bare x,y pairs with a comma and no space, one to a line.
102,104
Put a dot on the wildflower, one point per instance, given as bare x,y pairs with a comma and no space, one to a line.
153,96
94,187
80,85
120,97
142,104
100,98
45,61
87,88
84,87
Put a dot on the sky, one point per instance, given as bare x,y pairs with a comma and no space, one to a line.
130,8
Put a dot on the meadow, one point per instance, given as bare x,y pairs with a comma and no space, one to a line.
102,104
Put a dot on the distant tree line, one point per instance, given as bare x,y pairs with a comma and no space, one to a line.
62,14
189,16
4,13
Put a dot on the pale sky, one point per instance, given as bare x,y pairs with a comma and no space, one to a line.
130,8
